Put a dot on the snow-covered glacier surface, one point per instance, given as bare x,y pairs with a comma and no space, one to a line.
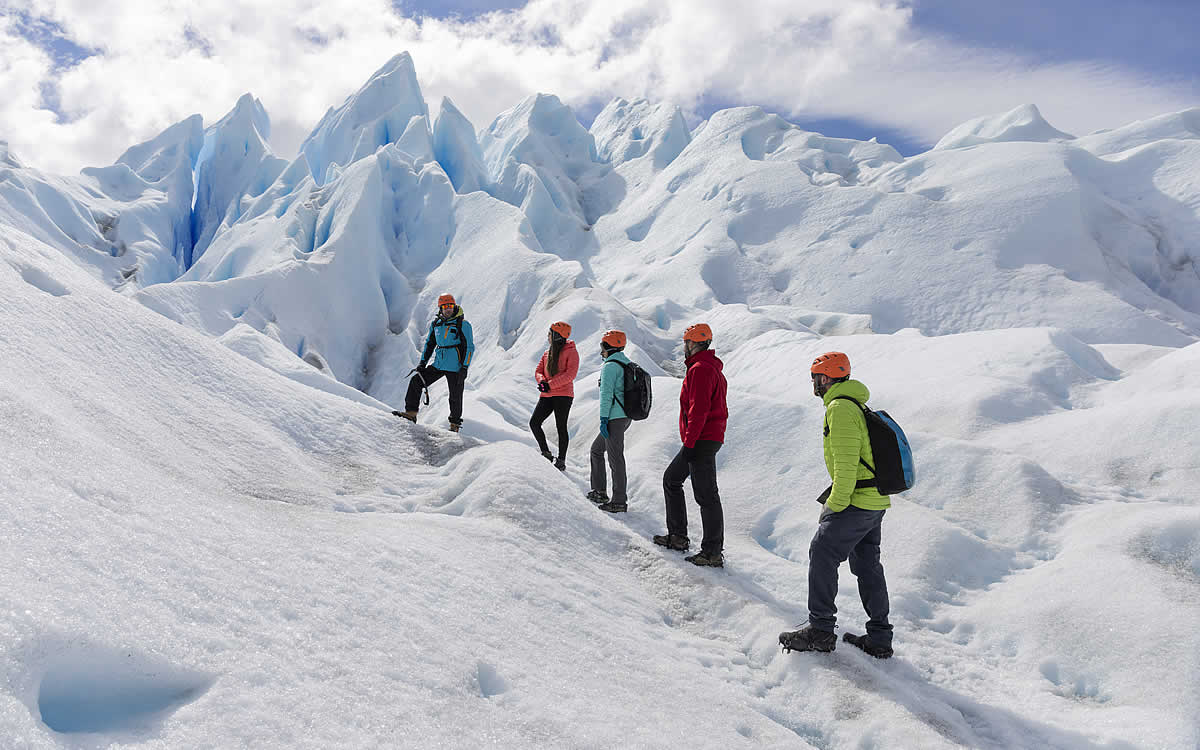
216,534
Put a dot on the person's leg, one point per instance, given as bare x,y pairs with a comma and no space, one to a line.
540,412
673,478
599,480
872,587
562,410
421,379
837,533
457,382
708,497
616,458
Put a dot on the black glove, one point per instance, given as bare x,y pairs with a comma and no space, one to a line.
825,495
543,386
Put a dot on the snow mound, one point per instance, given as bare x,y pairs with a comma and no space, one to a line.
1025,123
377,114
457,150
1183,125
6,157
129,224
540,158
626,130
234,165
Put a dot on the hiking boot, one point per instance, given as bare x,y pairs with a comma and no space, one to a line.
707,559
677,542
455,426
597,497
561,464
612,506
864,642
548,456
808,638
411,416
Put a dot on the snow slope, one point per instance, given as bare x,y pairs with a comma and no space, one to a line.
218,536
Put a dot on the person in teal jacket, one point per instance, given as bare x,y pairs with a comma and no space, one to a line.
451,347
613,423
851,519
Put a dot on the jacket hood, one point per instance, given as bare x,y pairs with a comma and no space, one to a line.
708,355
851,388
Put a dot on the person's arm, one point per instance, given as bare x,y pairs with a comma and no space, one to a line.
430,345
540,373
568,367
608,384
699,402
845,442
465,330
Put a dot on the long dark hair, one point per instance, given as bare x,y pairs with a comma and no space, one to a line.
556,345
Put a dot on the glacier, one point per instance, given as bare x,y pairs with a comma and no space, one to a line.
213,520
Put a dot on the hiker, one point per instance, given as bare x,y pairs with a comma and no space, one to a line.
555,376
702,417
850,519
450,344
613,423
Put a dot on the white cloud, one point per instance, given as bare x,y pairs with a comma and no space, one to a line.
813,58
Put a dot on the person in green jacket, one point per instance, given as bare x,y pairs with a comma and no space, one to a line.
851,519
613,423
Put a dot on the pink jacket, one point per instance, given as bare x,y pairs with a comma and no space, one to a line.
563,383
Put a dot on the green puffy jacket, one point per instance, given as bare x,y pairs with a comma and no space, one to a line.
846,441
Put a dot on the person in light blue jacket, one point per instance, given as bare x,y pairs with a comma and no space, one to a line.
613,423
451,346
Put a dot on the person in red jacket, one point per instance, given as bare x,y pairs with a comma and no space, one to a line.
555,376
702,418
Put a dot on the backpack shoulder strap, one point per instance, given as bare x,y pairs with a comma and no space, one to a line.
862,406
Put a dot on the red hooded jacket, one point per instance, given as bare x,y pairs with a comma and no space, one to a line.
702,409
561,383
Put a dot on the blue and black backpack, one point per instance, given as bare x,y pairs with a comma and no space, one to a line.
894,471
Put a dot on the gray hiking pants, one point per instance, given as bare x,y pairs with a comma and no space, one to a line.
852,534
614,445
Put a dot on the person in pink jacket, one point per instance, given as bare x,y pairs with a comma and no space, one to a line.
555,376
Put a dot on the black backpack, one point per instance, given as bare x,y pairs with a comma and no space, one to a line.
894,470
636,402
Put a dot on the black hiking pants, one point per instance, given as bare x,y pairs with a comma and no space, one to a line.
427,376
702,468
561,407
854,533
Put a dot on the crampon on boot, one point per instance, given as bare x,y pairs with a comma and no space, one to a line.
677,542
597,497
808,638
864,642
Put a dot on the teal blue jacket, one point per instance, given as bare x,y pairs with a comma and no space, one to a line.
612,386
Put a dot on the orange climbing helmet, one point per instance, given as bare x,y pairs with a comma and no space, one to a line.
562,328
832,364
613,339
698,332
446,299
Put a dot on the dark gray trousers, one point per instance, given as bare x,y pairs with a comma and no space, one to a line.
702,468
614,445
852,534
